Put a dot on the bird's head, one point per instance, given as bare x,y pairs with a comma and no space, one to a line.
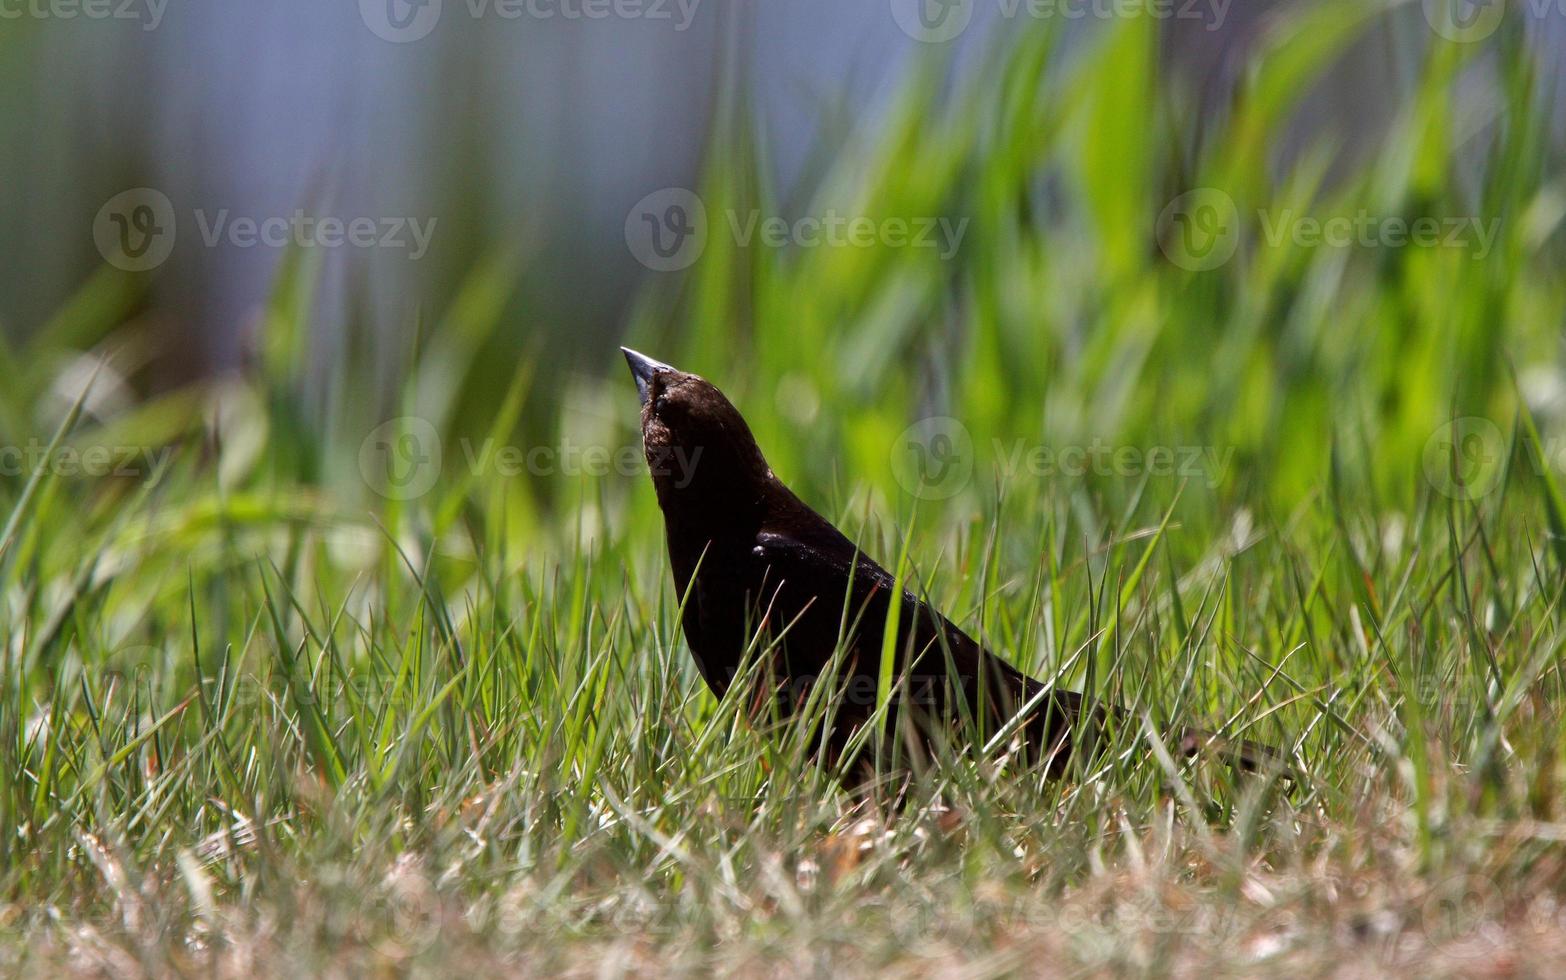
696,442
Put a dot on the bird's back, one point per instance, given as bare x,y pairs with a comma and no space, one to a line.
793,578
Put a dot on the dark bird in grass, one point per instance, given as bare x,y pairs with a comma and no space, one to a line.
751,559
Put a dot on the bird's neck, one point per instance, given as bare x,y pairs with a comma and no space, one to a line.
706,521
713,512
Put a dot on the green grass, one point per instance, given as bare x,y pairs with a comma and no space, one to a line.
256,717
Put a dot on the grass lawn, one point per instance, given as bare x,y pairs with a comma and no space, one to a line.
309,672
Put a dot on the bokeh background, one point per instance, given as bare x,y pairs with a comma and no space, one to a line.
525,138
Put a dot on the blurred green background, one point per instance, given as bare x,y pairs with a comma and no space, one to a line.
1074,157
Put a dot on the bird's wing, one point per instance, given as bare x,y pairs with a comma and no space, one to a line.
820,565
814,567
946,659
810,554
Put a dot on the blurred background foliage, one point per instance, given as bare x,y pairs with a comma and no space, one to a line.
1297,370
1059,322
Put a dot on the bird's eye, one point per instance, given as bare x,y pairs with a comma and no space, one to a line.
660,403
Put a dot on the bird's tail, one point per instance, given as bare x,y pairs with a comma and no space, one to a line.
1242,755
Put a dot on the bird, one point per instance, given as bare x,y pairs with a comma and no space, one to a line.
750,558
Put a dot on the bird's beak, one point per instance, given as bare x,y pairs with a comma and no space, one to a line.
642,369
